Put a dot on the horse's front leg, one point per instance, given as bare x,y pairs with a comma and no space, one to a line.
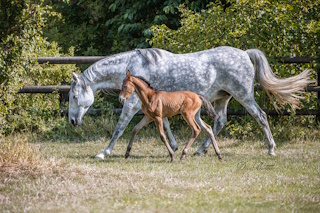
130,108
167,129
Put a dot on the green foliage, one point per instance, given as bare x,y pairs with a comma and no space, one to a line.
105,27
19,112
56,28
281,28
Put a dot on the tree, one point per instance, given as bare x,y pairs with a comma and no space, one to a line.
21,25
105,27
281,28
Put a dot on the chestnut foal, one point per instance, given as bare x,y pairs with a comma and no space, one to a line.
159,104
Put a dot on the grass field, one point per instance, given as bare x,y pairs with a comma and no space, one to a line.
63,176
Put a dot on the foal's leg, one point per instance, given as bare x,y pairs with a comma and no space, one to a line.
189,118
159,124
145,120
209,132
220,107
131,107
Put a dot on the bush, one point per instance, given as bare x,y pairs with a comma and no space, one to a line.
20,112
281,28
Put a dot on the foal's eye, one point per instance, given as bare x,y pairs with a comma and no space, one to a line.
75,97
125,86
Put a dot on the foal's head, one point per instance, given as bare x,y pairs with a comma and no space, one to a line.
127,88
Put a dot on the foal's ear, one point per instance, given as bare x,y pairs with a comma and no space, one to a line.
128,73
75,77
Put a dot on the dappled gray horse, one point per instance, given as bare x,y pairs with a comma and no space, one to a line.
218,74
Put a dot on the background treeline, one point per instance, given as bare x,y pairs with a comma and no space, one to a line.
65,28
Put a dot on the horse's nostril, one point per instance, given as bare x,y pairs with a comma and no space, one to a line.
73,122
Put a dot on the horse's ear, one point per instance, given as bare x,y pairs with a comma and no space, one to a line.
75,77
128,73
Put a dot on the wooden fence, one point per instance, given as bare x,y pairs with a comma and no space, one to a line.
63,90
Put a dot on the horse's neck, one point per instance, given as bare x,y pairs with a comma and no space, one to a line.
143,91
107,73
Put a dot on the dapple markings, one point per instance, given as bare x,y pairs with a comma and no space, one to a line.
218,74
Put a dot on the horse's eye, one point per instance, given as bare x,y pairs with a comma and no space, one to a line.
75,97
125,86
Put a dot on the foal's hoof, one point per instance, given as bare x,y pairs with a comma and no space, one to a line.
220,158
172,158
183,156
126,155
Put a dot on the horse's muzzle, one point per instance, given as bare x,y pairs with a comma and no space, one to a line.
122,100
74,122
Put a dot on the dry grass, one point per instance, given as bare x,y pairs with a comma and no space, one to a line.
17,156
246,181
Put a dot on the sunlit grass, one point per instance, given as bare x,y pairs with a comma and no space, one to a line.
247,180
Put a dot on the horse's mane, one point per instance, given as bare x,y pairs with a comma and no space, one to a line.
94,73
145,81
151,55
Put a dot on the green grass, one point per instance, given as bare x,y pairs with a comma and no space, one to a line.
69,179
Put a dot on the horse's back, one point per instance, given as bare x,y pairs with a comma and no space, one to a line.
205,72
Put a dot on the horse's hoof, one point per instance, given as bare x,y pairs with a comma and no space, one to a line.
220,158
126,155
183,157
271,153
197,153
100,156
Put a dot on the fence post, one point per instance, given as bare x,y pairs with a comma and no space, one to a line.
318,95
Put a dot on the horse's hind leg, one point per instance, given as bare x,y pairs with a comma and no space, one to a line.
261,117
209,132
159,124
189,118
220,107
145,120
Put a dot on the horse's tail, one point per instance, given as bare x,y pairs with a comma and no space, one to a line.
209,108
285,90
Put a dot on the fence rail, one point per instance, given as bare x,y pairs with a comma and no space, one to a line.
65,89
203,112
91,59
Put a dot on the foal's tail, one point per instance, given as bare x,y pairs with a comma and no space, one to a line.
209,108
285,90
